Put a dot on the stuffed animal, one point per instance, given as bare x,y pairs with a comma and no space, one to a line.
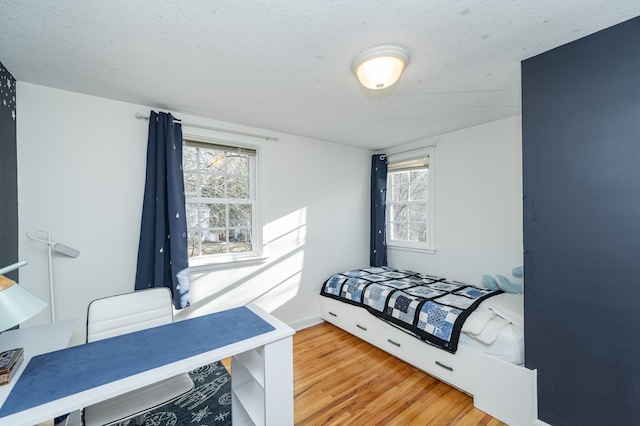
503,283
518,271
490,282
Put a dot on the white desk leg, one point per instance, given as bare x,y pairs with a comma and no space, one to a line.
262,385
278,357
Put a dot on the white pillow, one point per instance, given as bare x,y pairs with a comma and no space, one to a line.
478,320
509,306
492,330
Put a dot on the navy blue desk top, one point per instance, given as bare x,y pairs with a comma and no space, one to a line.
58,374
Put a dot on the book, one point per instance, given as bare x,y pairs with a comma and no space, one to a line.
9,362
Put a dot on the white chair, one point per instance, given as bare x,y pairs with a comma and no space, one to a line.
126,313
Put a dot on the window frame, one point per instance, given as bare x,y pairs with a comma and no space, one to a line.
227,260
428,246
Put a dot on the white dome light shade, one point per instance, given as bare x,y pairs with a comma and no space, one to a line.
380,67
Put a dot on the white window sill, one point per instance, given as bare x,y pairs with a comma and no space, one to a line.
412,249
206,265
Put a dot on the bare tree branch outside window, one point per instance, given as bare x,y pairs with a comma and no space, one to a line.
218,201
407,201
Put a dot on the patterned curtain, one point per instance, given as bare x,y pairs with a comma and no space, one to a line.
162,254
378,256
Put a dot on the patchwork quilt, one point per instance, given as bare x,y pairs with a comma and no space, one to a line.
429,307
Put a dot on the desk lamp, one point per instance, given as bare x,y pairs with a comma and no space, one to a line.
16,304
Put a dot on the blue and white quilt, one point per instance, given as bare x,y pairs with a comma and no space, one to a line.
429,307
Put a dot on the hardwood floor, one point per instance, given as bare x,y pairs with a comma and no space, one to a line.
339,379
342,380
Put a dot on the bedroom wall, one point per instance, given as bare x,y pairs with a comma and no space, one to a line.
478,203
582,227
81,167
8,173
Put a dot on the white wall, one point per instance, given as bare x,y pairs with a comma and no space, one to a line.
81,169
478,203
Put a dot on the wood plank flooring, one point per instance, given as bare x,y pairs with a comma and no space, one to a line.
342,380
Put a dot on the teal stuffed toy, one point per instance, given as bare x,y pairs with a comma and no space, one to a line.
503,282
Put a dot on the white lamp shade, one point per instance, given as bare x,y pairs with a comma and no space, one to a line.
380,67
17,305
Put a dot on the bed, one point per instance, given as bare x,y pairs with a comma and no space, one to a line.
469,337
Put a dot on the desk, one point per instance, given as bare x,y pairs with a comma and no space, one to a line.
262,368
35,341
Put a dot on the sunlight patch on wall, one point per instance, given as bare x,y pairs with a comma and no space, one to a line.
284,282
282,234
269,285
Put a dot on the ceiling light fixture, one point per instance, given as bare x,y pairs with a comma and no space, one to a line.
380,67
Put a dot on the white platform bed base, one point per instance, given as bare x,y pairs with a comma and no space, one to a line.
499,388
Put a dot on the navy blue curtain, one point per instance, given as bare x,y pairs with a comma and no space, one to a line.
378,256
162,254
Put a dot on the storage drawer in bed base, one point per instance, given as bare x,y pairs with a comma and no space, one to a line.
445,366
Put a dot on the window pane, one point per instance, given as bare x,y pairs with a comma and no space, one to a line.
399,231
237,164
399,178
239,240
189,158
418,186
418,191
192,215
214,242
419,175
418,232
205,215
417,212
206,242
212,186
400,193
216,216
238,187
396,193
193,243
190,185
239,215
398,212
211,161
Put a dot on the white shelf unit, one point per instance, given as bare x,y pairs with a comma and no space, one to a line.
261,381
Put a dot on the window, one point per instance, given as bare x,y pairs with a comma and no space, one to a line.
221,203
410,201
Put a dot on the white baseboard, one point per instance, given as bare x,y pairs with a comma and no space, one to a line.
539,422
306,322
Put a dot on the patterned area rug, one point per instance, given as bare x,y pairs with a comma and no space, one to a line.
208,404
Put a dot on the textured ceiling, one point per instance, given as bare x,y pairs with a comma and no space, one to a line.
286,65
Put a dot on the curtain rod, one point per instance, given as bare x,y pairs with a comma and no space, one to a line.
218,129
383,156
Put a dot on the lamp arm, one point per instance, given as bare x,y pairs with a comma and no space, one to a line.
12,267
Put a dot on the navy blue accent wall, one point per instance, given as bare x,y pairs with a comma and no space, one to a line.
8,172
581,181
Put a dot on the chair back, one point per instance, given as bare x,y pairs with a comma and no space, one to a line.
126,313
